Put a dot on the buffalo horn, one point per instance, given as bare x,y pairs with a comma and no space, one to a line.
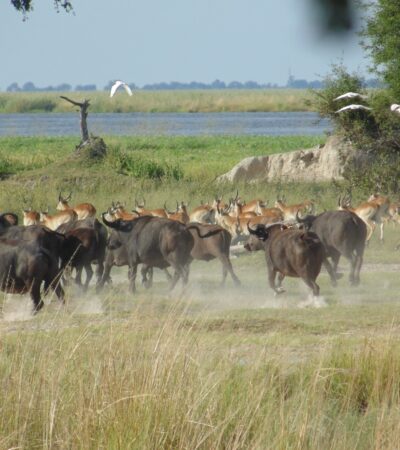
298,218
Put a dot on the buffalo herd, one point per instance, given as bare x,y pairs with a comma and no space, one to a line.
41,255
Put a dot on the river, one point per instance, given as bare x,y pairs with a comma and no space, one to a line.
167,124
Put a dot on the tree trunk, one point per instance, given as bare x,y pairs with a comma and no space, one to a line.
83,106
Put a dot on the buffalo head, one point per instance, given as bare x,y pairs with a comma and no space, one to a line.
119,224
305,223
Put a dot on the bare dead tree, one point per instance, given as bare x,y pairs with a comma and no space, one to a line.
92,147
83,107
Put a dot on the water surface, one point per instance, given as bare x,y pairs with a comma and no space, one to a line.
169,124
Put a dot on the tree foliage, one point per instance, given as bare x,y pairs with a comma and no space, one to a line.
381,39
25,6
375,133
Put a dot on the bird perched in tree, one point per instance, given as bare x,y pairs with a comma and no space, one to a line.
117,84
395,108
351,95
354,108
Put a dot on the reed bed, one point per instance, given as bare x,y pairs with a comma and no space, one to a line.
274,100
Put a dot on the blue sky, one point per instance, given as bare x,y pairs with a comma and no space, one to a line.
168,40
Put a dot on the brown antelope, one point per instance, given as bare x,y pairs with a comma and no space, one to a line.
253,206
202,214
218,203
289,211
118,211
275,214
83,210
393,214
180,215
237,210
140,209
30,217
237,226
224,220
371,212
54,221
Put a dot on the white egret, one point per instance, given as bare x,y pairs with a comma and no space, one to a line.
351,95
117,84
395,108
353,108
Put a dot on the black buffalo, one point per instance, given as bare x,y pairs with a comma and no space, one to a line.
341,233
212,247
7,220
290,252
85,243
24,266
155,242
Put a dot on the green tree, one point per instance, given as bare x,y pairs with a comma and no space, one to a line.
25,6
381,39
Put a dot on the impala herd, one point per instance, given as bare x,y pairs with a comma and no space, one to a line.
234,216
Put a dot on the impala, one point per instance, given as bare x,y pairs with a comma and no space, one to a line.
118,211
54,221
140,209
30,217
371,212
202,214
83,210
289,211
180,215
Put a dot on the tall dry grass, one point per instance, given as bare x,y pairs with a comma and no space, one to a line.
163,379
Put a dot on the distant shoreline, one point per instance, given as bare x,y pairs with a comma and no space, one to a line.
188,101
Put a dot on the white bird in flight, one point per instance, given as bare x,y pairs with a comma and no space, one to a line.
395,108
117,84
353,107
351,95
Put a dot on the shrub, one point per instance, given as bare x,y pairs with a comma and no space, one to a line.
375,133
139,167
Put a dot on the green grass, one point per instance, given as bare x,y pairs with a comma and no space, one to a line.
162,101
199,157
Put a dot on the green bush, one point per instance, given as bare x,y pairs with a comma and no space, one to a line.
375,132
6,166
140,167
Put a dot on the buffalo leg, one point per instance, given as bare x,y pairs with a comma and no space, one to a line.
78,277
167,274
227,267
313,285
54,282
35,295
359,254
175,278
132,277
67,274
89,275
147,276
59,292
271,279
99,271
105,276
356,261
185,273
331,271
281,277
